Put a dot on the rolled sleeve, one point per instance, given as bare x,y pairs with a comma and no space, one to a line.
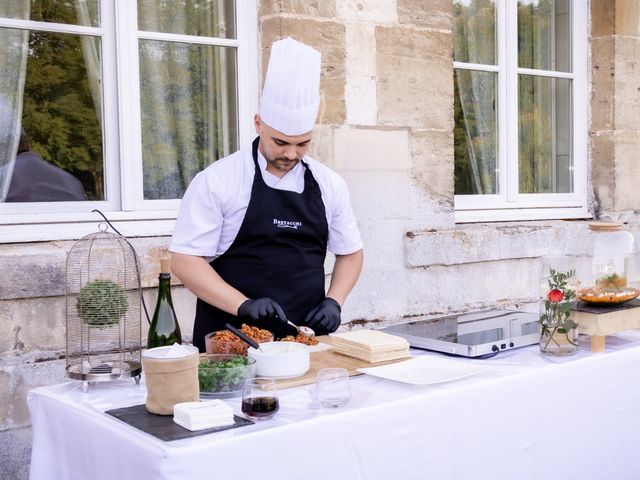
344,235
199,223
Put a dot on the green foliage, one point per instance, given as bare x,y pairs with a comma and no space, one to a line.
58,113
475,132
185,126
224,376
184,119
559,280
556,318
101,303
539,116
477,18
476,91
189,17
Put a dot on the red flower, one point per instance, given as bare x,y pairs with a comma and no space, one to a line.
555,295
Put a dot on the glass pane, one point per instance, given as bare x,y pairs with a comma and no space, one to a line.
475,132
14,45
474,31
189,112
545,155
544,34
60,152
73,12
203,18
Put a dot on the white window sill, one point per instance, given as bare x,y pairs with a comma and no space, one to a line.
71,226
521,214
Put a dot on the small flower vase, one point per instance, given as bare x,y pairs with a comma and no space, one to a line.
559,332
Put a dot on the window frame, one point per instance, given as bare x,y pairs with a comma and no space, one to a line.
508,204
122,145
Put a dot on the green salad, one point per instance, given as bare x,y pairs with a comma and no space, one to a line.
223,376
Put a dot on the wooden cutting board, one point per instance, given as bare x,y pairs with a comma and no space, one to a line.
329,359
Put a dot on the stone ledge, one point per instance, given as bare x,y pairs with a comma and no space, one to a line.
524,304
35,327
38,269
491,242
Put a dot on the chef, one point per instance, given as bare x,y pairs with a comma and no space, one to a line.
253,230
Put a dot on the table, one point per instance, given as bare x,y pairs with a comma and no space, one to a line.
523,417
601,321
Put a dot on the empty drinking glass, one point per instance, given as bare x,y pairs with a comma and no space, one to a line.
332,387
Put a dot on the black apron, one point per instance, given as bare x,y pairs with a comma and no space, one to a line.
278,253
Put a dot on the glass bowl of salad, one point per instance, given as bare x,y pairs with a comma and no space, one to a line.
223,376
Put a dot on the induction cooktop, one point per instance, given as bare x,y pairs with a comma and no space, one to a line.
471,334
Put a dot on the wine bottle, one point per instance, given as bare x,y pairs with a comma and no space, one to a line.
164,329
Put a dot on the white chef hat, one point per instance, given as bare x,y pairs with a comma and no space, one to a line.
291,92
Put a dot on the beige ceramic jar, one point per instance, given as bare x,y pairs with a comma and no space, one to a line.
170,380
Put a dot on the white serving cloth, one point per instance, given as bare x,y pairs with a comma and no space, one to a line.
214,205
523,417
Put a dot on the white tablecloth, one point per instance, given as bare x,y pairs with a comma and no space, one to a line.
524,417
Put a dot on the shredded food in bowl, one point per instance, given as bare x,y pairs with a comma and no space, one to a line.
256,334
224,341
301,339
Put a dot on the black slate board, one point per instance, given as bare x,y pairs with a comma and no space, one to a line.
163,426
608,308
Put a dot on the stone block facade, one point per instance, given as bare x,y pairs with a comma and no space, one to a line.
385,125
615,105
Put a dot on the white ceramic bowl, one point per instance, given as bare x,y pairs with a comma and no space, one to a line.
280,359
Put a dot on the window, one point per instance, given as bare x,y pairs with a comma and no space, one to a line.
520,121
121,100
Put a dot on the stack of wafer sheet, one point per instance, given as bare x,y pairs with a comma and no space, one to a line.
371,346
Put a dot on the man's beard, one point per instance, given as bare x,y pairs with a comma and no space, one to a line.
283,164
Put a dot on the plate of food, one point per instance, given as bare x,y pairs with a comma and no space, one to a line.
609,290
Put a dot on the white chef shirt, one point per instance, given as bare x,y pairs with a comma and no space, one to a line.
214,205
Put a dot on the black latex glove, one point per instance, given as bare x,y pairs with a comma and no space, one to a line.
259,310
324,317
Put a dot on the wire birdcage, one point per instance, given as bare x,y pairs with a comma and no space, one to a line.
103,317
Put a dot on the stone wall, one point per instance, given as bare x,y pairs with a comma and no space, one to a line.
615,106
32,331
388,97
386,126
